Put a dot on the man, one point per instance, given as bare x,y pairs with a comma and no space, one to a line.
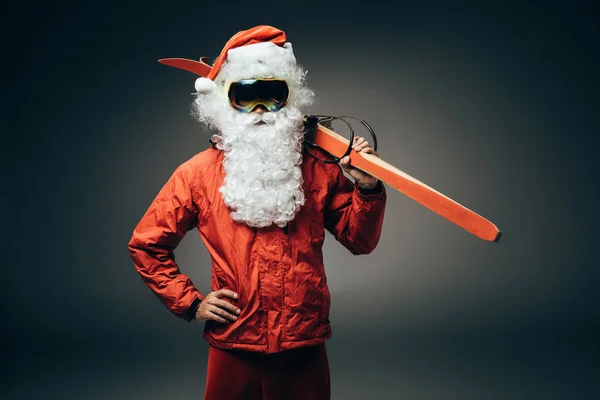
261,205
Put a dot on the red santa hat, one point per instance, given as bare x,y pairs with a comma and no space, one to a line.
261,44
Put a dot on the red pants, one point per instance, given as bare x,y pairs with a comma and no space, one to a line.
301,374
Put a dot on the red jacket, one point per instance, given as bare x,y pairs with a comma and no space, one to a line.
277,273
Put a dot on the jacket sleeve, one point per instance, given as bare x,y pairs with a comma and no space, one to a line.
170,216
353,217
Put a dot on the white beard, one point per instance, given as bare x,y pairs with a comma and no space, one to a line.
263,179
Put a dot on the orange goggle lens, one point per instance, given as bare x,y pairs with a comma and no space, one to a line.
246,94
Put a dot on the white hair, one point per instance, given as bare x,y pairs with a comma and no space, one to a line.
263,179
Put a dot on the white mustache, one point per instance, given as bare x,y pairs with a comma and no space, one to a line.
268,118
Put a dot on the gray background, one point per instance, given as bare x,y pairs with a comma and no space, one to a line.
495,106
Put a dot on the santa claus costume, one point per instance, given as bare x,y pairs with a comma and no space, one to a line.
261,206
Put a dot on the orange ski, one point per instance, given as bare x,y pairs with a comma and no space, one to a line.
336,144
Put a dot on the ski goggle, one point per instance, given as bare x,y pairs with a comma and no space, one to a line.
246,94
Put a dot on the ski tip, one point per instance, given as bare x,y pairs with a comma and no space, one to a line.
498,236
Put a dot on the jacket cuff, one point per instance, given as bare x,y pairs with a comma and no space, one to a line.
190,314
370,194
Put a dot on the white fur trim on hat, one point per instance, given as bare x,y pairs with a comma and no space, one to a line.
204,85
259,60
262,52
